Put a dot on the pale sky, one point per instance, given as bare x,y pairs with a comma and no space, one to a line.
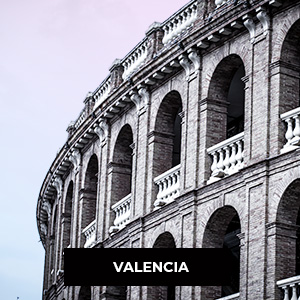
52,53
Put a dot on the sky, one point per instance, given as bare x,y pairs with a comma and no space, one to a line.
52,53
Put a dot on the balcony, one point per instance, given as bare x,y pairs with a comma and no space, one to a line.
227,157
122,209
90,234
231,297
180,22
290,287
168,186
292,135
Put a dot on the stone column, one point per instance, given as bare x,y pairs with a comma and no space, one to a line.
140,161
155,35
75,159
102,130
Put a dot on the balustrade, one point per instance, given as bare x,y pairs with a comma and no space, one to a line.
183,20
168,186
102,92
220,2
122,209
231,297
134,59
290,287
227,157
90,234
80,119
292,135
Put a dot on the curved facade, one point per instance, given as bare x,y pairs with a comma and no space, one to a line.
191,141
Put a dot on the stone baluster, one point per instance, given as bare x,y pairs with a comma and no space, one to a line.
290,287
227,156
168,186
232,159
296,131
292,134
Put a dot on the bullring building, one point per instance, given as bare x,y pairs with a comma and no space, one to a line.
191,141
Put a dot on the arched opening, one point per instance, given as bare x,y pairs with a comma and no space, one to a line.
121,180
226,89
88,203
89,198
289,89
66,220
225,118
53,243
290,61
115,293
167,149
122,164
168,131
288,233
165,240
85,293
222,231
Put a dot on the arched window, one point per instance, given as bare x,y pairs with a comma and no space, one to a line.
289,90
167,149
225,118
165,240
88,202
288,234
168,128
227,89
122,163
120,172
221,232
67,216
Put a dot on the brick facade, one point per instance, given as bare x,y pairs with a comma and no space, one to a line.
165,115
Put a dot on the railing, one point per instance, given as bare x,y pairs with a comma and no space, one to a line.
292,135
122,210
134,59
80,119
180,22
102,92
231,297
168,186
227,156
220,2
90,234
290,288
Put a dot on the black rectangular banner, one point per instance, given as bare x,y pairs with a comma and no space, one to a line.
137,267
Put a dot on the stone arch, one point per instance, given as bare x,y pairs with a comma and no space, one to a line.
281,30
66,217
167,129
88,195
290,61
222,231
122,164
171,227
287,232
226,90
120,171
164,240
